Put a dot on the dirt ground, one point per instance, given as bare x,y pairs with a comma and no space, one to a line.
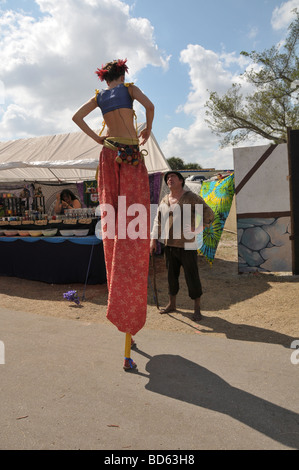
252,307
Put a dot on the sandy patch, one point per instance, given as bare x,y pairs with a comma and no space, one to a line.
251,307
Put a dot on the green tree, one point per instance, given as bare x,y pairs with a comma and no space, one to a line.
192,166
177,163
272,107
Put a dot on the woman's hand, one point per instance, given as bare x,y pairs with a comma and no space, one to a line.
100,140
145,135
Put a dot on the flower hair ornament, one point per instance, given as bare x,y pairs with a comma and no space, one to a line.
119,64
101,73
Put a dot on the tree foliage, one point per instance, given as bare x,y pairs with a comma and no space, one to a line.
272,107
177,163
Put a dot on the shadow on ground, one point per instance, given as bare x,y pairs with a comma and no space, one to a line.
176,377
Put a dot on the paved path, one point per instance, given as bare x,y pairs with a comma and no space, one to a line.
62,387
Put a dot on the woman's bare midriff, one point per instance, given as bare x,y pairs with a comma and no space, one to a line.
120,123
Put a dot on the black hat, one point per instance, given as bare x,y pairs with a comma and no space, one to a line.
176,173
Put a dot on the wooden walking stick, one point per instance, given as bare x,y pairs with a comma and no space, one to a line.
154,279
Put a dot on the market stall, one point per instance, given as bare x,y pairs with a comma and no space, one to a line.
54,250
35,243
55,260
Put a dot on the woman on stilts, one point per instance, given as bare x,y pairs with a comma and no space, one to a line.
122,182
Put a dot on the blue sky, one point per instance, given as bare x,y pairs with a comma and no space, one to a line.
176,51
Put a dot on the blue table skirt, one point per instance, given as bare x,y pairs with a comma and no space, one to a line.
91,240
56,260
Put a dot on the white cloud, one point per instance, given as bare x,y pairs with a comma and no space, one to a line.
253,32
48,63
213,71
208,71
283,15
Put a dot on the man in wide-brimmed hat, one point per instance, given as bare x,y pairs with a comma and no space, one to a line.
174,172
177,248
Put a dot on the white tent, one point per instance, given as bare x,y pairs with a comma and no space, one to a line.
67,158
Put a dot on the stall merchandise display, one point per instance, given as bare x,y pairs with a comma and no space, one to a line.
22,227
12,206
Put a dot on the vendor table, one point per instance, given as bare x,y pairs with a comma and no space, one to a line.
56,260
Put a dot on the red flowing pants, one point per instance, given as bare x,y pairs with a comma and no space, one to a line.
126,258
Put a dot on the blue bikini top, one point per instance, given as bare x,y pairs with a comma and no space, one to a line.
114,98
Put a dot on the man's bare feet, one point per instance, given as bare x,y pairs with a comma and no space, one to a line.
168,309
197,316
171,306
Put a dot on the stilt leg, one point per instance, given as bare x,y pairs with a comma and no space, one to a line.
128,346
129,364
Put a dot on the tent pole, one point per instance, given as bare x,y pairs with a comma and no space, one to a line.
54,175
